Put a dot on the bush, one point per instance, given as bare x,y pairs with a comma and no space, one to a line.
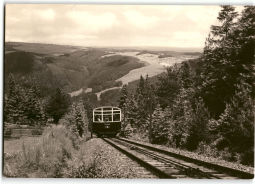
51,153
127,131
7,132
76,121
83,167
159,127
47,158
235,127
99,161
247,158
207,149
37,131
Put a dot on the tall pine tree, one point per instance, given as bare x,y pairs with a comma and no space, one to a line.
217,79
58,105
14,102
123,105
159,132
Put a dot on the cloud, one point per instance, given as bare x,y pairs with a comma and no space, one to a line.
110,25
92,22
47,14
139,20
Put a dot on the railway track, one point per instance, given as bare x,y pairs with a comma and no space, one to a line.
166,164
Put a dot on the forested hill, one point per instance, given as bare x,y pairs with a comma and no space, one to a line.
112,97
67,67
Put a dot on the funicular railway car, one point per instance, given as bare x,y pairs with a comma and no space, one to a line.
106,121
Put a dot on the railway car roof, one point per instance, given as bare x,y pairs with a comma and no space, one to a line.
107,108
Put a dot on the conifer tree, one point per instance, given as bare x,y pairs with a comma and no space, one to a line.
76,119
146,102
140,87
245,43
14,102
159,132
218,59
178,120
167,88
235,127
58,105
32,109
140,100
89,111
132,111
123,105
184,76
80,118
197,130
123,96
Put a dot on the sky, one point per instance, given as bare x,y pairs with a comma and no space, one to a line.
183,26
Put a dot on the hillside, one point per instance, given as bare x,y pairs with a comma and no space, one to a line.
72,68
40,48
67,67
112,97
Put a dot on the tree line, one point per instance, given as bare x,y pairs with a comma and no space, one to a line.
25,105
208,108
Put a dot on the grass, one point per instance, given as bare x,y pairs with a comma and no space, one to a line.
44,157
58,154
12,146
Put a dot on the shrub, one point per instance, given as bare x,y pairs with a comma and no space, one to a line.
99,161
79,168
7,132
235,126
85,162
159,127
76,121
207,149
127,132
37,131
47,158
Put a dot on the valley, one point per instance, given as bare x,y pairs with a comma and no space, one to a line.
78,70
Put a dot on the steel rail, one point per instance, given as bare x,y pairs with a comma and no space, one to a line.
187,170
225,170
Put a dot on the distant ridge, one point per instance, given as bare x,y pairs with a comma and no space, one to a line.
151,48
138,48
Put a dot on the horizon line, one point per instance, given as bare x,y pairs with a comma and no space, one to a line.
104,46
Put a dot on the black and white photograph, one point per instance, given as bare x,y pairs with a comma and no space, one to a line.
128,91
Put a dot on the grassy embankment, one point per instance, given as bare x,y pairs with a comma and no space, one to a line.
59,153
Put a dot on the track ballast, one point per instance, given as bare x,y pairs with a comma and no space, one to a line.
165,164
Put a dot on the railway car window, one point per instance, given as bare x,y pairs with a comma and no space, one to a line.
98,118
108,117
107,114
116,117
